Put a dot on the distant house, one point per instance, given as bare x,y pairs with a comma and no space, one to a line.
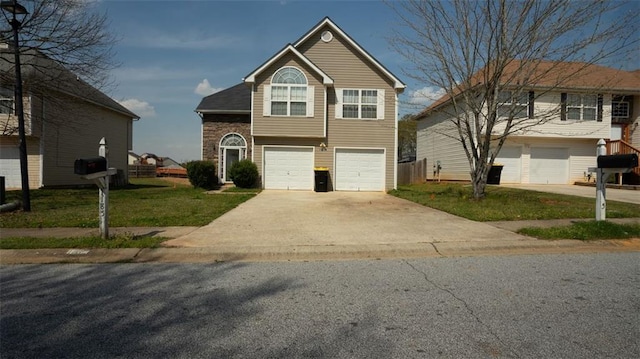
598,102
65,118
134,159
322,101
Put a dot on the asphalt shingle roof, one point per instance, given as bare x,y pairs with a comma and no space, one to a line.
232,100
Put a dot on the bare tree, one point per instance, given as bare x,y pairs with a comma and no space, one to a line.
477,51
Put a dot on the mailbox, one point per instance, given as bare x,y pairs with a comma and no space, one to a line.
618,161
86,166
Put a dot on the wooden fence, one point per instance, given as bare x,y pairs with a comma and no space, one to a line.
412,172
142,171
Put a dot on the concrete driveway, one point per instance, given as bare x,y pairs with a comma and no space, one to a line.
613,194
300,218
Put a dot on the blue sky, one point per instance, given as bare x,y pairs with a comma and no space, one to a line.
173,53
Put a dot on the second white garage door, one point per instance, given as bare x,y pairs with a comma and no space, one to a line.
549,165
288,168
509,157
359,170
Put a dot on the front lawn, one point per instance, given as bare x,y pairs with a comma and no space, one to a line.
147,202
508,204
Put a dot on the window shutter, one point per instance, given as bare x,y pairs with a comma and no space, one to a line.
532,98
338,105
380,110
599,108
563,106
310,97
266,109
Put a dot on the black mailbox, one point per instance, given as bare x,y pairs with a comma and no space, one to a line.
618,161
87,166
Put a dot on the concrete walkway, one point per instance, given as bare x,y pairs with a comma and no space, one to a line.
613,194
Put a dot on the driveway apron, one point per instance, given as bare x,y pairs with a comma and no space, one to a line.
302,218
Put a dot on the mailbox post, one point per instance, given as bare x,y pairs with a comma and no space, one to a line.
606,166
97,169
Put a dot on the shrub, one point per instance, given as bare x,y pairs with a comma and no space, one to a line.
244,174
202,174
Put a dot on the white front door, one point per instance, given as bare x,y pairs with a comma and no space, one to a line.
616,132
359,170
288,168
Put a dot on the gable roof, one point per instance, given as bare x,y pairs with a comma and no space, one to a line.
39,69
398,85
251,78
555,75
236,99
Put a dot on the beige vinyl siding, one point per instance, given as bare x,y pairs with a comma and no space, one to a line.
350,70
283,125
33,157
435,141
76,133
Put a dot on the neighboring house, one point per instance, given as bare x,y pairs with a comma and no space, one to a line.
598,102
322,101
134,159
65,118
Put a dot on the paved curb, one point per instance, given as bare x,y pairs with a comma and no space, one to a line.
311,253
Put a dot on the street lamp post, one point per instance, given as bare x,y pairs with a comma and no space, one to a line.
16,9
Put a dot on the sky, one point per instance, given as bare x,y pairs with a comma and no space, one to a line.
174,53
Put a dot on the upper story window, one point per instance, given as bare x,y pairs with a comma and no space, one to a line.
620,107
360,104
6,101
515,105
581,107
289,94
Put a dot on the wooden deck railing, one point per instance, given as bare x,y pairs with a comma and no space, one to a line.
620,147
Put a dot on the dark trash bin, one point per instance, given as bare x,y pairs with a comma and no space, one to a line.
494,174
322,179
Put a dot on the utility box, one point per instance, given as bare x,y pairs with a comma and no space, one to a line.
618,161
87,166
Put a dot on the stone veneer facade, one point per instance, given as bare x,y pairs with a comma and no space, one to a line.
215,127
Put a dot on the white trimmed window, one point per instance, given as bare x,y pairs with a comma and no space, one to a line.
582,107
6,101
363,104
512,104
620,109
289,94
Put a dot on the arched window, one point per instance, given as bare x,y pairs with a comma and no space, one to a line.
289,94
233,140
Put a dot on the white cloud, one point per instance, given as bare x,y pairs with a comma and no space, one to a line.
139,107
204,88
425,96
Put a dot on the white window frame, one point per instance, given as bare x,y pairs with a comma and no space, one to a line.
340,104
627,108
6,95
509,106
582,107
269,94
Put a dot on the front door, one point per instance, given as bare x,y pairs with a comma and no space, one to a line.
231,156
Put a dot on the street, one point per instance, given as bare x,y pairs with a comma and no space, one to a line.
528,306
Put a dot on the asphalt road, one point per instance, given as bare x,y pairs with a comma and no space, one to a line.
544,306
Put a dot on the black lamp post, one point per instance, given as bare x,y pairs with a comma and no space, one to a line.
16,9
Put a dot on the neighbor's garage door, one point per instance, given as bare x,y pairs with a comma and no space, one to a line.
10,166
509,157
549,165
288,168
359,170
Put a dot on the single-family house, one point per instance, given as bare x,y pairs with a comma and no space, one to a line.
568,118
65,118
322,101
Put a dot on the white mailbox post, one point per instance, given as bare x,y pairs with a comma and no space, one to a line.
606,166
98,170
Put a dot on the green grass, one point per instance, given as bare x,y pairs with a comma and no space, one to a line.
508,204
145,203
119,241
587,230
242,190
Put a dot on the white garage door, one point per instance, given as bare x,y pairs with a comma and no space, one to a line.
549,165
509,157
359,170
10,167
288,168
